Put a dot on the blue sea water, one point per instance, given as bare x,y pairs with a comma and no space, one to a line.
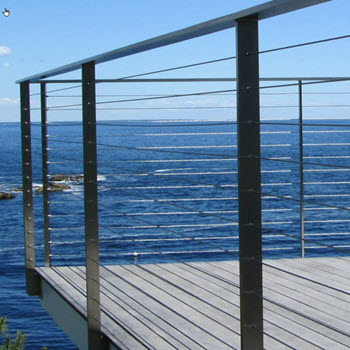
167,192
23,312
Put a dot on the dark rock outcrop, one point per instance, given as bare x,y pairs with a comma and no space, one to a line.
66,177
20,189
4,195
54,187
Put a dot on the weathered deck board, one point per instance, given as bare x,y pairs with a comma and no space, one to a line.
196,305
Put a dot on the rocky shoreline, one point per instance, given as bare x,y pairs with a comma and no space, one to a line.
55,185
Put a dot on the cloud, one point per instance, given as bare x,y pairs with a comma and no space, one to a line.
5,51
6,64
7,101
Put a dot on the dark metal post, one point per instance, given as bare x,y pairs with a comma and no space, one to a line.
32,280
95,340
249,183
301,171
47,245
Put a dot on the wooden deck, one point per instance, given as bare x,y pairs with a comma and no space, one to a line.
196,305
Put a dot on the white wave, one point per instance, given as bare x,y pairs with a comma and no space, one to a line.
37,185
99,178
189,120
4,187
75,188
11,249
65,243
172,169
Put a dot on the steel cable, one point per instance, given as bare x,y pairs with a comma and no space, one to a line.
302,44
282,233
303,315
179,67
163,228
201,93
146,98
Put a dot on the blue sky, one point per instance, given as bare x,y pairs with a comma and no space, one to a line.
41,35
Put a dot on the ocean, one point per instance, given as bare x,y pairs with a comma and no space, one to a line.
168,193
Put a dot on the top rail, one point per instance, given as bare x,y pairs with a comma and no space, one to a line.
263,11
190,80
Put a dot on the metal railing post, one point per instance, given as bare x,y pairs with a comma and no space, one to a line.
47,245
249,183
301,171
32,280
95,340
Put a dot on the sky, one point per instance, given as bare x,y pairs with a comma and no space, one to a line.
42,35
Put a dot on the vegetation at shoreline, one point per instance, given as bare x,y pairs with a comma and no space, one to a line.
7,342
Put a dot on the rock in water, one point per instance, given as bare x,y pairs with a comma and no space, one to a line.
67,177
53,187
4,195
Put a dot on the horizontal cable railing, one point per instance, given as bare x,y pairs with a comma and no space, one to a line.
161,193
155,186
166,195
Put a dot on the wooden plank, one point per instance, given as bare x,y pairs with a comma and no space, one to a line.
309,331
323,271
302,283
60,278
203,287
274,281
160,317
195,315
317,310
69,292
179,321
299,319
112,325
196,305
293,304
315,276
338,266
217,313
305,293
278,332
123,313
205,277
